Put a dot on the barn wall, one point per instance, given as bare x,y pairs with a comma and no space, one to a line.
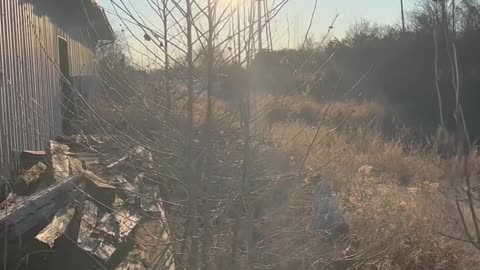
30,92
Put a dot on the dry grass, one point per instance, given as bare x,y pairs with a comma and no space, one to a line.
305,109
392,193
393,197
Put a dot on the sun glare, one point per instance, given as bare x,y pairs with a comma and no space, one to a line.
228,3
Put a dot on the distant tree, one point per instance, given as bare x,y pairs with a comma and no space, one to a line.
361,32
115,70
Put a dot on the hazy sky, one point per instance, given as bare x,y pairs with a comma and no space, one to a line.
379,11
299,12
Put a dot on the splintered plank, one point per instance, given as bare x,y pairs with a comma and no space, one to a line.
57,227
32,175
25,213
60,160
110,234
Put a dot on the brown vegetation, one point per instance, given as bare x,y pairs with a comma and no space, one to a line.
287,108
394,195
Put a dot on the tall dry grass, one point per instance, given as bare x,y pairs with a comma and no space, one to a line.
394,194
328,112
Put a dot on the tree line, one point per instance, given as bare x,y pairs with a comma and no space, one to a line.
412,72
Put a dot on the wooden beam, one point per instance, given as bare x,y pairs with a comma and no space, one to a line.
22,214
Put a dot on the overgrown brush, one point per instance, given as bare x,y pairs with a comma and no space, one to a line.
393,195
281,109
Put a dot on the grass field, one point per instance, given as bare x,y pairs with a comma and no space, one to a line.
394,194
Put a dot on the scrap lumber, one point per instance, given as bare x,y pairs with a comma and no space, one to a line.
57,227
28,168
89,221
23,214
127,221
105,236
28,158
53,186
32,154
104,208
60,160
101,235
32,175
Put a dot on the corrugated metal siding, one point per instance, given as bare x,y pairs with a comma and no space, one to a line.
30,91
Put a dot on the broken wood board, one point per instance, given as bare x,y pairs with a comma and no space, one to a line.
109,234
89,221
93,232
57,227
127,221
29,156
32,175
117,182
28,212
103,234
33,153
98,247
24,160
60,160
76,166
97,180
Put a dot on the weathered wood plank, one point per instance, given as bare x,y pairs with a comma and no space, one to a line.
57,227
60,160
25,213
32,175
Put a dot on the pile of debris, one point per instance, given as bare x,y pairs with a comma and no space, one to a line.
73,207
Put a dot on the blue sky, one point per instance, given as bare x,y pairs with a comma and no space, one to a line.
379,11
299,12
